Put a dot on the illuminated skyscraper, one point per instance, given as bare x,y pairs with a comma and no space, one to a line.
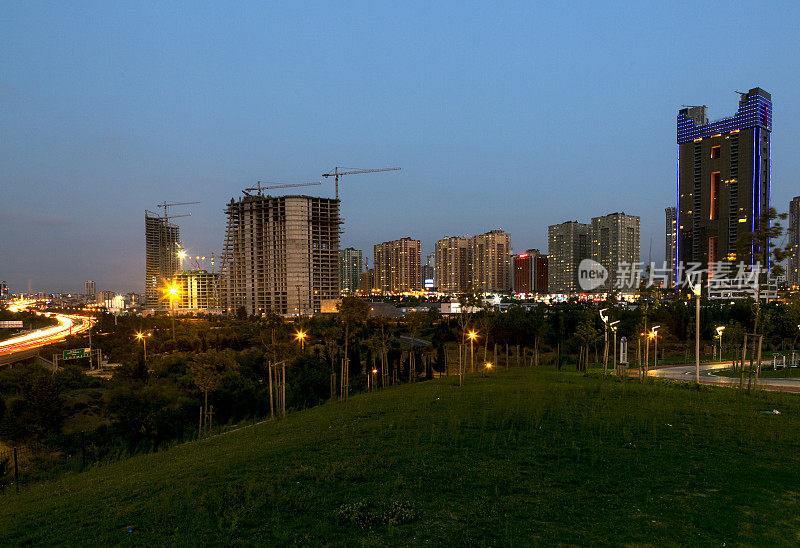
398,265
453,264
793,270
723,179
568,244
671,238
351,265
491,262
90,289
615,242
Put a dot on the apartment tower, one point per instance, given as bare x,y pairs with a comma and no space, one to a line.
615,241
398,266
568,244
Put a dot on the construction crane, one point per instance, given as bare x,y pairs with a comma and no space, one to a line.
336,174
259,187
166,205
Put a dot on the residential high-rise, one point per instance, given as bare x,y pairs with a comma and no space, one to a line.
351,265
198,290
453,264
491,260
671,241
615,241
530,272
281,254
568,244
366,281
162,242
90,289
398,267
429,272
723,179
793,270
3,291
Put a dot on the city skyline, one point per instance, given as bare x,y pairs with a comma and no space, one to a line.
493,130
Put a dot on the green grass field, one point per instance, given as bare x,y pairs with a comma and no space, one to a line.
524,457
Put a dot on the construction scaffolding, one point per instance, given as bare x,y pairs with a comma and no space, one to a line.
162,242
281,254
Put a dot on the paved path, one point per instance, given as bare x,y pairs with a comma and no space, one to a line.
707,376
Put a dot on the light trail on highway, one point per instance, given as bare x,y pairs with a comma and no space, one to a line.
68,324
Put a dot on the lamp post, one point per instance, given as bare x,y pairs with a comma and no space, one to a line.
720,329
696,290
172,291
141,336
655,337
604,317
472,335
486,368
301,336
613,326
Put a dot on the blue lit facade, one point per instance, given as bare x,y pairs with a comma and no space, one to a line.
723,172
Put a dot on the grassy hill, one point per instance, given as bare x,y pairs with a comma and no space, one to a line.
528,456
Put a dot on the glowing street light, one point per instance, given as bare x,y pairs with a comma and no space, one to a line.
142,337
654,331
172,292
487,367
719,330
472,336
301,336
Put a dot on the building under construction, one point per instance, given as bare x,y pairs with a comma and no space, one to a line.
281,254
162,243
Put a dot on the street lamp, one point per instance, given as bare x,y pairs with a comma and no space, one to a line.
141,336
301,336
486,368
720,329
655,336
696,290
604,317
472,336
613,326
172,291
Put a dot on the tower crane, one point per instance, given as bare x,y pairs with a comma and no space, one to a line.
259,187
336,174
166,205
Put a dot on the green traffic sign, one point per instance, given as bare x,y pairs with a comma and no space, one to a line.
76,353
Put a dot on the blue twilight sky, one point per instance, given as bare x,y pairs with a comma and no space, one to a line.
512,117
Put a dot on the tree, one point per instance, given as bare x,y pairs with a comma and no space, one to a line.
208,369
414,321
352,310
587,335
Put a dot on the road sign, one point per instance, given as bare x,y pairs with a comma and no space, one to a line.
623,350
11,325
76,353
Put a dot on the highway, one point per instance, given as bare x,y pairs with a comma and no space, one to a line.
707,376
23,345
